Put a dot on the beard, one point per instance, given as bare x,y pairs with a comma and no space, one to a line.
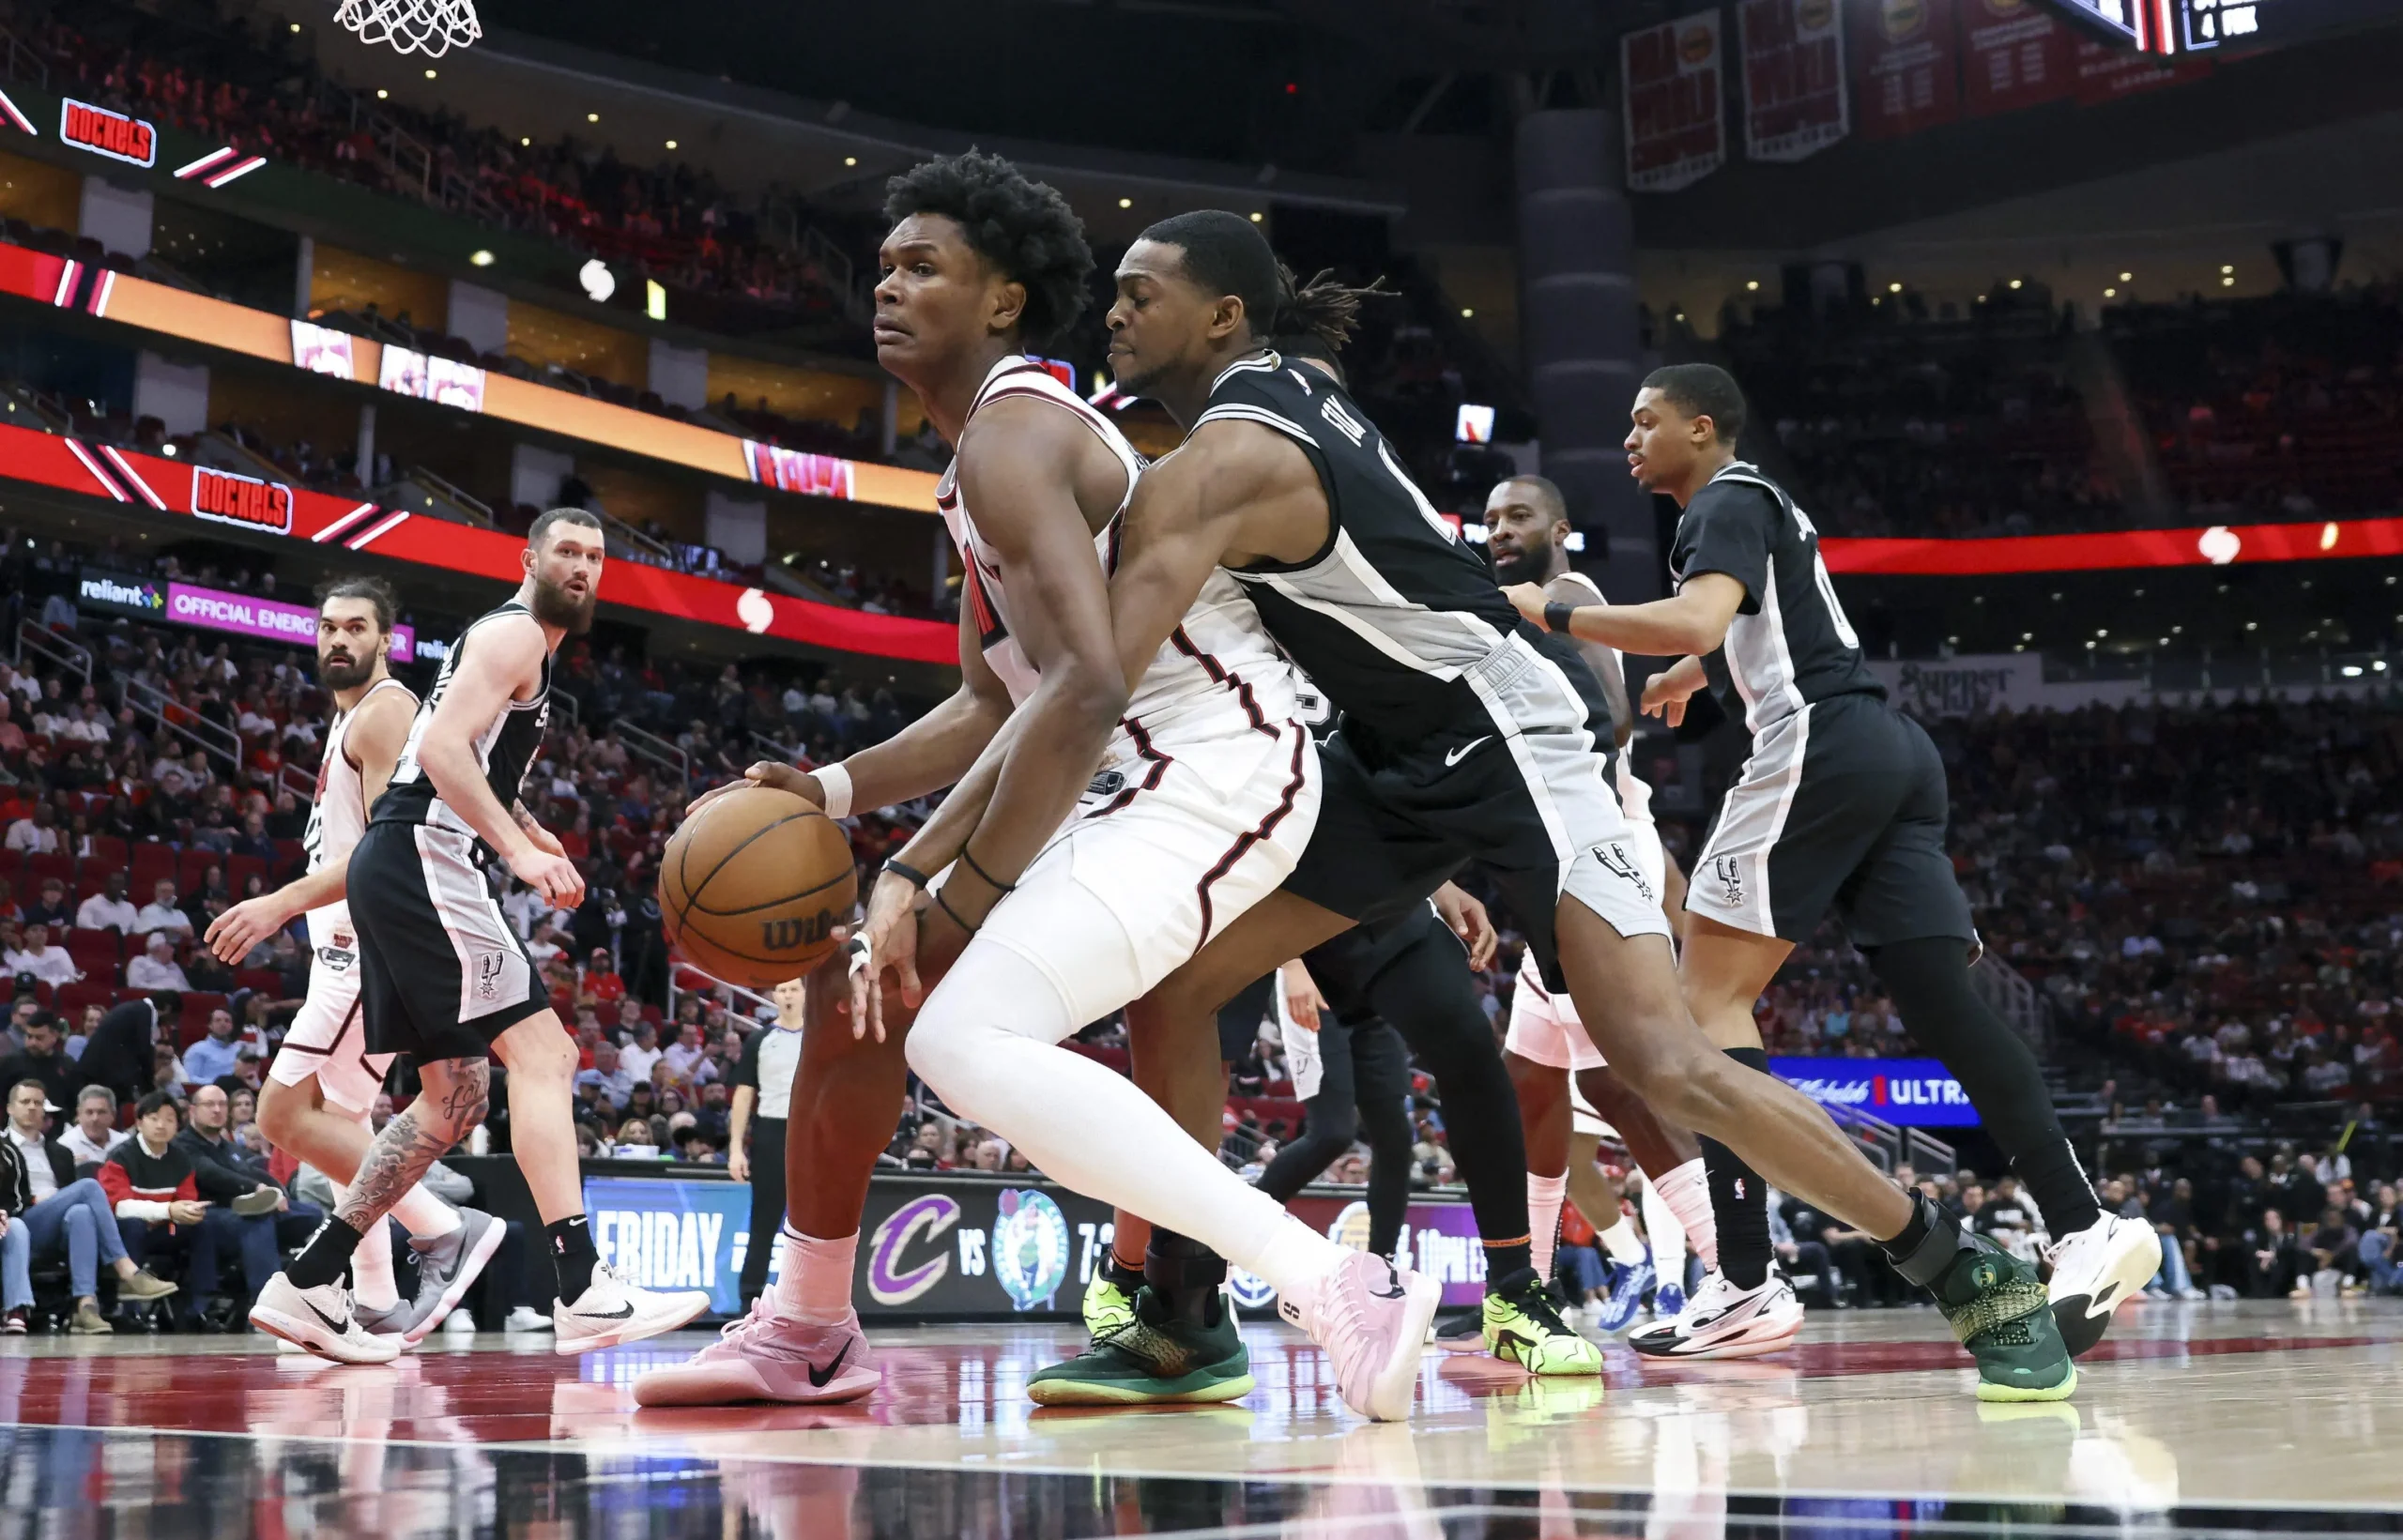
345,672
554,606
1528,566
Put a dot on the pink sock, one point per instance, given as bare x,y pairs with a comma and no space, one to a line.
816,1282
1544,1197
1687,1192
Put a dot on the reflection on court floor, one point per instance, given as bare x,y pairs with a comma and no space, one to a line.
2275,1415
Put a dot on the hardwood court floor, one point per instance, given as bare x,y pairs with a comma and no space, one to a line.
2192,1419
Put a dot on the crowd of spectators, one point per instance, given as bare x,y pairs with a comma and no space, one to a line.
2287,407
224,82
1930,425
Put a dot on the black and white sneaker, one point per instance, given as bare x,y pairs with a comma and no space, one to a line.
611,1311
1724,1321
320,1320
447,1266
2097,1270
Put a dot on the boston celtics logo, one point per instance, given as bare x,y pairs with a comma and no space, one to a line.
1030,1249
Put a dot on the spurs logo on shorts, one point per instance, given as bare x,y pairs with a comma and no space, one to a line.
1620,862
489,967
1729,873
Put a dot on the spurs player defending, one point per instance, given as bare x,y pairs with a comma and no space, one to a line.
1553,1063
1842,805
445,980
324,1082
1456,741
1104,832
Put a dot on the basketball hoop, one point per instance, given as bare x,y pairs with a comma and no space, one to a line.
432,27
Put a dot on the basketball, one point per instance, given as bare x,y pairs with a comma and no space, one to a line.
753,886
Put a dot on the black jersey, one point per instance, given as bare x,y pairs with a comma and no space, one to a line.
1790,644
1395,609
506,748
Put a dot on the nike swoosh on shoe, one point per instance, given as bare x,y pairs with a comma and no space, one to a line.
624,1312
338,1328
817,1377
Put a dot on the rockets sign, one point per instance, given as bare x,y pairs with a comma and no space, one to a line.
104,132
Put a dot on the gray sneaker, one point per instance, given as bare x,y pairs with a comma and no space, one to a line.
391,1321
447,1267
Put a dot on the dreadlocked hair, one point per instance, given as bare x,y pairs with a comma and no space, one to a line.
1320,308
1023,228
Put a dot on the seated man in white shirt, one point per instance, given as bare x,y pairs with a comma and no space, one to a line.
37,955
157,967
162,913
94,1133
108,909
37,832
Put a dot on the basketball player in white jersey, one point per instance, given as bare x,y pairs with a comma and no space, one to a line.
1567,1093
1065,893
324,1082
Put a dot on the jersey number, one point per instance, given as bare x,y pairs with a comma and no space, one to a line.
1845,632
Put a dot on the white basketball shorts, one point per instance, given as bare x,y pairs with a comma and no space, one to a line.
1164,852
328,1038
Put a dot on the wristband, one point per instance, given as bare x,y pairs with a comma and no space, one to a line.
1556,617
978,867
909,874
954,913
835,782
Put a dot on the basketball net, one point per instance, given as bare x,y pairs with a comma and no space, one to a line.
432,27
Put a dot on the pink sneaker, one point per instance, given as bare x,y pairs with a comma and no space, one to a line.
1371,1317
768,1357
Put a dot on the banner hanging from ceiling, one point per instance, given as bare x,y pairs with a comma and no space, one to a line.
1795,100
1676,115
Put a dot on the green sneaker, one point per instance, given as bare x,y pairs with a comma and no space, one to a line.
2004,1317
1153,1358
1522,1326
1109,1310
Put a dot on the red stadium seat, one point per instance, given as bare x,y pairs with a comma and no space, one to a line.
95,990
192,865
41,868
238,870
197,1007
98,953
152,861
108,852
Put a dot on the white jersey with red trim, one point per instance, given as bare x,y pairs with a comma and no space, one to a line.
1218,676
337,816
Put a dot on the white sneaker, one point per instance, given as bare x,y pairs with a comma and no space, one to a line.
2190,1292
1724,1321
1371,1317
2094,1271
524,1317
611,1311
458,1323
321,1321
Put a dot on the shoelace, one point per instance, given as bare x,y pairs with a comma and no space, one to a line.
1544,1307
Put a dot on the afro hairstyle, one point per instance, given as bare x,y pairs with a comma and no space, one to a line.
1023,228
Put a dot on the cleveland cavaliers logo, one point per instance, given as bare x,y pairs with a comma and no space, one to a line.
792,935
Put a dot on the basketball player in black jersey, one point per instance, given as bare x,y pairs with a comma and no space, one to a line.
1457,741
444,979
1840,805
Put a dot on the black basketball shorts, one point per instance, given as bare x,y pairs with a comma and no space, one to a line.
1841,806
442,972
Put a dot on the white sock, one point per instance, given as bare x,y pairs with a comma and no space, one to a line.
1625,1246
1544,1197
1687,1192
986,1042
815,1284
1668,1237
372,1283
425,1216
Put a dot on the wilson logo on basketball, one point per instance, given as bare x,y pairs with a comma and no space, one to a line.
792,935
229,498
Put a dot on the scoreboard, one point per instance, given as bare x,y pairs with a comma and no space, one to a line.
2193,26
